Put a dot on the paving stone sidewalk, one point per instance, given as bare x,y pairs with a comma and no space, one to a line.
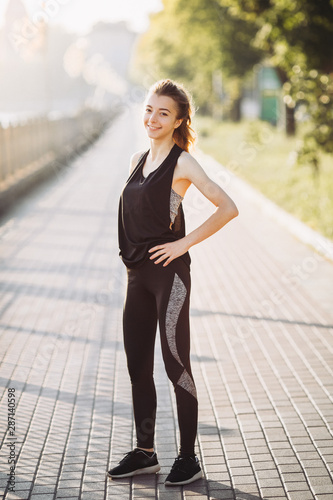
262,345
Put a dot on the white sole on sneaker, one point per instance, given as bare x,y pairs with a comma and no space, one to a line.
147,470
196,476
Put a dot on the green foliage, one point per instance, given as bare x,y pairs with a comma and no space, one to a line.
286,28
313,91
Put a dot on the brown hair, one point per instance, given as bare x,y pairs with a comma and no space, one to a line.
184,135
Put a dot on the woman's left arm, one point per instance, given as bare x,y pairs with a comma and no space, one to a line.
190,170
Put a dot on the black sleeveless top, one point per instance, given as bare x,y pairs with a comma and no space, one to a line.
144,212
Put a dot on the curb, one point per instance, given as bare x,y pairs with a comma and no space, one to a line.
298,229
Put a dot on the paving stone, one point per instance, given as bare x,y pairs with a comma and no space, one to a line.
261,457
316,471
270,473
269,482
300,495
192,495
242,471
41,496
323,489
92,495
69,483
221,495
68,492
43,489
321,480
171,495
300,485
273,492
21,495
293,477
94,486
243,495
264,466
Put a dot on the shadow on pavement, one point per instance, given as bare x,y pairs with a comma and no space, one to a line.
198,312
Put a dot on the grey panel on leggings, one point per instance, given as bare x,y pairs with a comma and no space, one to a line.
175,304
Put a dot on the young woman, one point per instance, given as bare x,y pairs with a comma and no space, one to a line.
154,248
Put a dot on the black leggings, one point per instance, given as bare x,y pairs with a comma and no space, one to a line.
157,293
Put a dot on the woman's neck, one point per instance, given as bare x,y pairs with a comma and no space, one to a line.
159,150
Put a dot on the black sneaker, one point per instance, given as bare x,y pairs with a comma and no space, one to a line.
135,462
184,471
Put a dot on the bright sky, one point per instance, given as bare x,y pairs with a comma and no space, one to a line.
80,15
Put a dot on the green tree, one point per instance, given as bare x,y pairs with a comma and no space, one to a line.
234,55
297,35
192,41
170,49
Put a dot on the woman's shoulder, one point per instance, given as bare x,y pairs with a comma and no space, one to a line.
185,157
135,158
187,162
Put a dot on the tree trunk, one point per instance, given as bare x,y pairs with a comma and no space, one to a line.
235,112
290,125
290,121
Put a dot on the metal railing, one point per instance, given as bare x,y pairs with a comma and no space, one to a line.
33,145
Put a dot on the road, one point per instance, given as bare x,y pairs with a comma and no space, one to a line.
262,345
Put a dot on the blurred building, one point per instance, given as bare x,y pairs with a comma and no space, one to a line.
262,96
45,69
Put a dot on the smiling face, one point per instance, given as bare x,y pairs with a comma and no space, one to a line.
160,117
